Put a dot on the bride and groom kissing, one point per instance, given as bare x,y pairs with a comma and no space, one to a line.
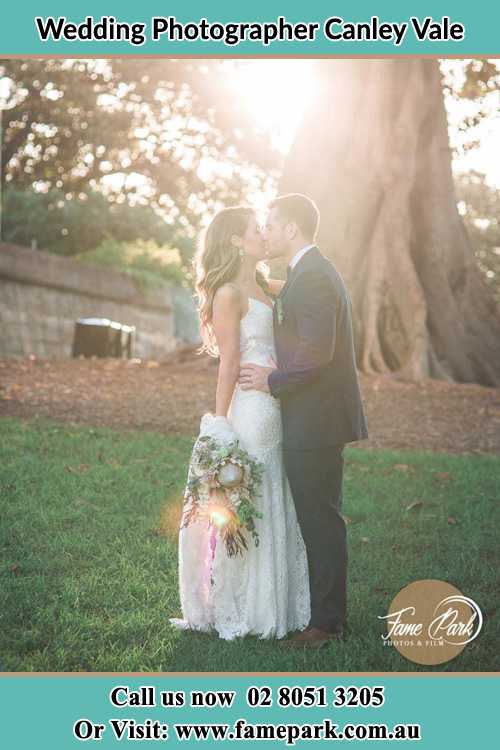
288,391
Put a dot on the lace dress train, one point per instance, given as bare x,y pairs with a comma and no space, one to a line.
265,591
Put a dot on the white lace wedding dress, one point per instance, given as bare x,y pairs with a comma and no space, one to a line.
265,591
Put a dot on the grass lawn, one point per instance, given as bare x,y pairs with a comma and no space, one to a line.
88,559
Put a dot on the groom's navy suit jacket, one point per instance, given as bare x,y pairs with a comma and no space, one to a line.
316,380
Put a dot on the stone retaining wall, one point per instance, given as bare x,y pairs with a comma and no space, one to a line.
42,295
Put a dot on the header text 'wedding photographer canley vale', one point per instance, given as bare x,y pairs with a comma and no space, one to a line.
168,29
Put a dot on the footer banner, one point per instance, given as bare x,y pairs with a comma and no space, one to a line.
60,711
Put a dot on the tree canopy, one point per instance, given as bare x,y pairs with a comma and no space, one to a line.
165,133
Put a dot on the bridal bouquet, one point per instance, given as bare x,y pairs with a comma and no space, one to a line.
222,481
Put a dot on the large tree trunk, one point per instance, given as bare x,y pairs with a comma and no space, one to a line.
373,151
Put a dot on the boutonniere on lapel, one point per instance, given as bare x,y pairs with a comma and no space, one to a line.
279,310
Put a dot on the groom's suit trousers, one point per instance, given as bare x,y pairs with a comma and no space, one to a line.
315,478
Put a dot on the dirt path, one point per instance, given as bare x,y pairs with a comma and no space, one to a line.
171,396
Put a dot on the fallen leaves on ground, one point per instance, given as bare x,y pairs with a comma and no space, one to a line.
171,395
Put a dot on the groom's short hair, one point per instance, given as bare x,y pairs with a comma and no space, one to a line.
300,209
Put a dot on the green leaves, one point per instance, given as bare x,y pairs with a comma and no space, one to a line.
279,310
207,459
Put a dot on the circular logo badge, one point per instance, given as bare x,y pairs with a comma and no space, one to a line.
431,622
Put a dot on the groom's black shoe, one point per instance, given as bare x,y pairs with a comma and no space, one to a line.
315,638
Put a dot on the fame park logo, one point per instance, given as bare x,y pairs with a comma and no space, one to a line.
431,622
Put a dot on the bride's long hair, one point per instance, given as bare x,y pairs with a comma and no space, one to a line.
217,262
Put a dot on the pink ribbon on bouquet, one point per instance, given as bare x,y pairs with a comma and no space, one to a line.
212,543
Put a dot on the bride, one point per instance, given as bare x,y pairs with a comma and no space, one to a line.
265,591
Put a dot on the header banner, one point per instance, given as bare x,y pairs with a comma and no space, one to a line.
263,29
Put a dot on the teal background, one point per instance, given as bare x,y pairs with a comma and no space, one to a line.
18,33
454,711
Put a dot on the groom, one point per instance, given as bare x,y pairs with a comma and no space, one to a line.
317,385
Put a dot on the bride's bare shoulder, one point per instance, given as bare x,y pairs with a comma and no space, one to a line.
227,298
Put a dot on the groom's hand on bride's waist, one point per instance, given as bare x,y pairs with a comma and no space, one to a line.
254,377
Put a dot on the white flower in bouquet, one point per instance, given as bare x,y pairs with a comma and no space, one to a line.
230,474
222,484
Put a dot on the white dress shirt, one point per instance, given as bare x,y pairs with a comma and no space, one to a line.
298,255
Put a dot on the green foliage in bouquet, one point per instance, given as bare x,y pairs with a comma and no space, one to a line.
223,483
